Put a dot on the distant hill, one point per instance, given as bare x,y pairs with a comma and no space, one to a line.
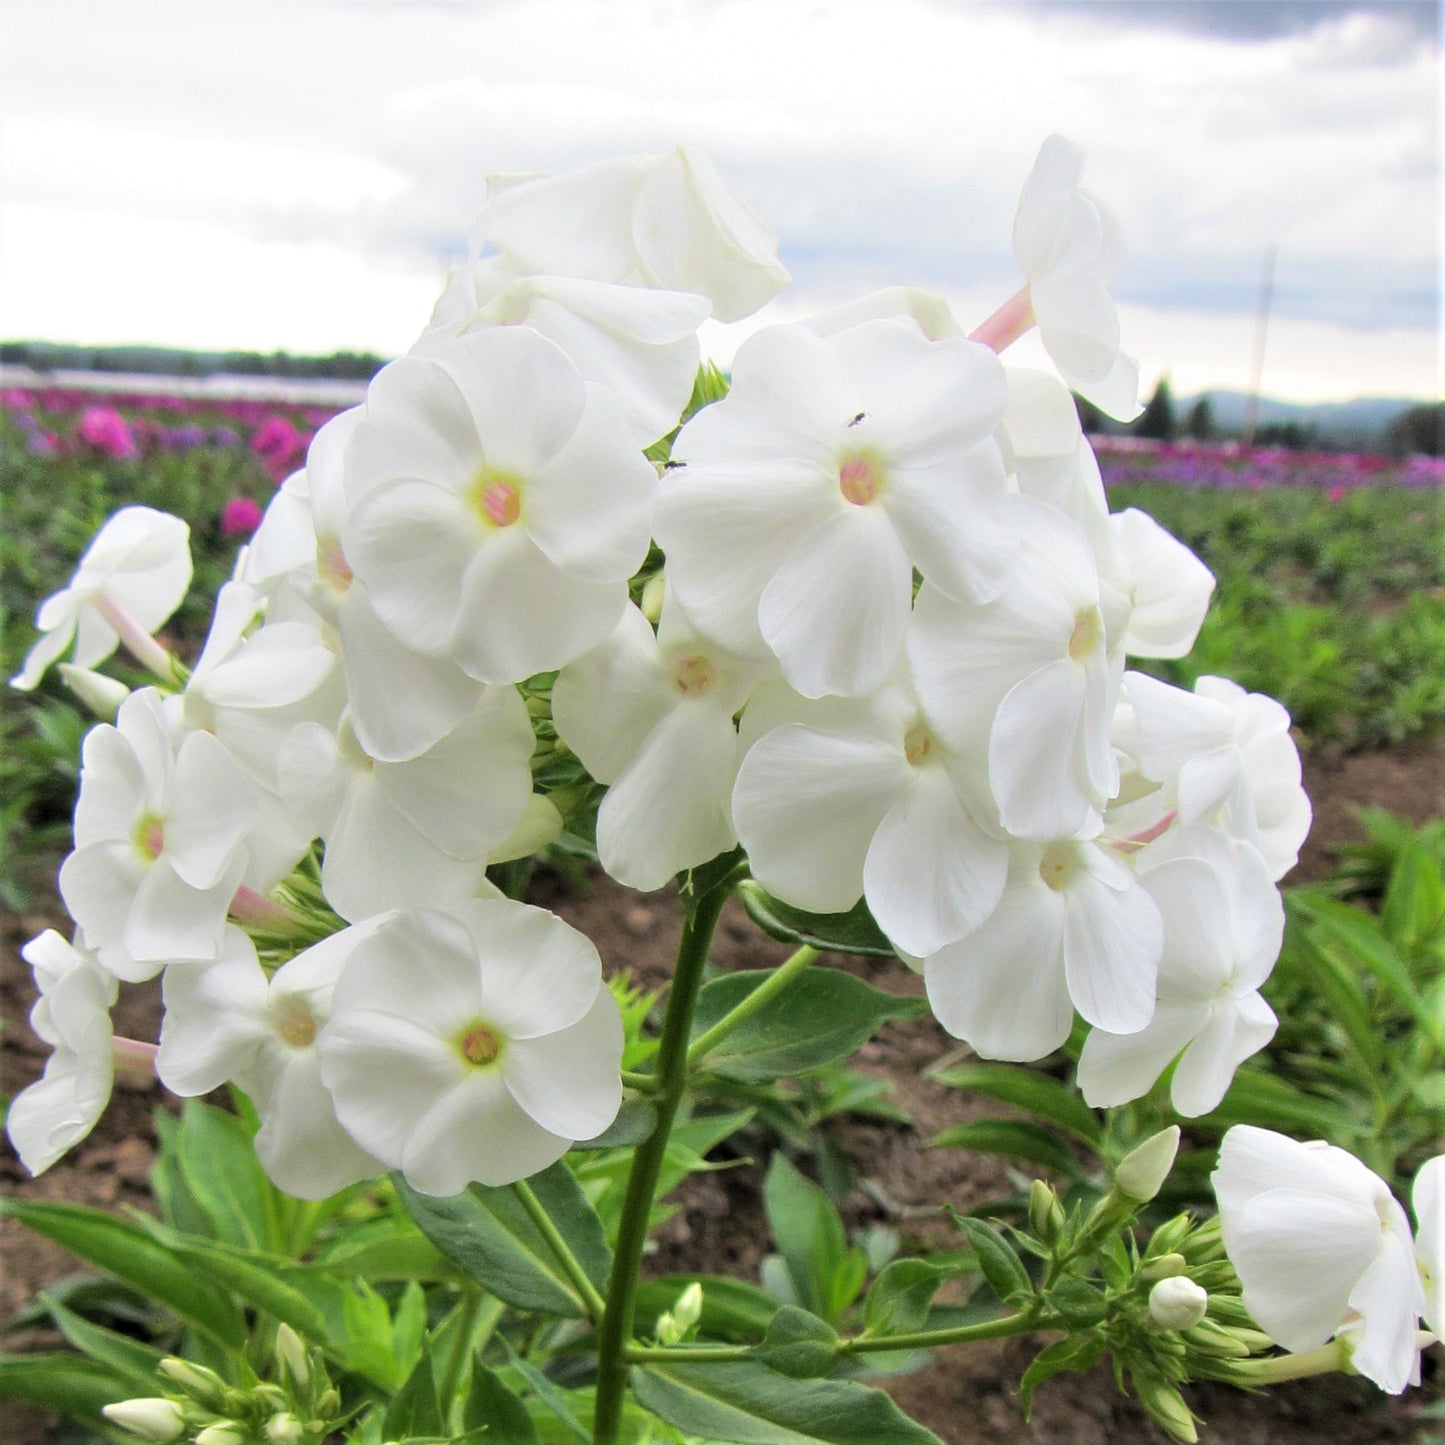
168,361
1361,420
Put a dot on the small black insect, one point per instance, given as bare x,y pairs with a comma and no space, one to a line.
858,418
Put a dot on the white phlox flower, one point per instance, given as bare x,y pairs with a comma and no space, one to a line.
1168,587
413,833
249,688
1033,671
925,310
160,833
1073,929
1047,454
226,1022
832,469
472,1045
72,1015
1223,926
1070,246
501,506
666,221
130,579
1322,1248
1226,758
887,810
1428,1198
652,717
639,344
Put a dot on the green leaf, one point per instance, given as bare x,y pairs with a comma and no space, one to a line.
131,1254
1039,1094
851,932
798,1344
696,883
223,1176
997,1259
64,1383
731,1308
492,1407
549,1394
1080,1303
1360,936
1256,1097
490,1235
635,1121
749,1404
899,1300
1075,1354
821,1016
256,1278
1029,1143
116,1351
388,1248
414,1409
1347,1004
811,1240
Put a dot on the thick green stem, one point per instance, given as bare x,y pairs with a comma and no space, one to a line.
771,986
571,1266
615,1331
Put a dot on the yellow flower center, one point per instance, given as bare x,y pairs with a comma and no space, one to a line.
295,1024
862,477
150,837
496,497
1058,866
479,1046
918,744
1087,635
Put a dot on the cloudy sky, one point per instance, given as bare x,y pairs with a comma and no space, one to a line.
299,174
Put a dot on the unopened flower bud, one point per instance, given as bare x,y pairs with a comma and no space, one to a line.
150,1417
223,1432
1212,1339
651,606
1165,1267
1166,1407
101,694
1169,1236
1176,1303
284,1429
329,1403
1142,1172
204,1386
291,1354
1046,1214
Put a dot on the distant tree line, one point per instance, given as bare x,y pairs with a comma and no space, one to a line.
167,361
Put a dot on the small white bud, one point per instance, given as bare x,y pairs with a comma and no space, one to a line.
223,1432
1177,1303
150,1417
292,1355
284,1429
1142,1172
101,694
688,1309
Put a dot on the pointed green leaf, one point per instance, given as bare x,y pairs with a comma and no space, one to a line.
798,1344
821,1016
851,932
414,1409
63,1383
490,1406
749,1404
1039,1094
131,1254
808,1231
900,1298
116,1351
222,1174
997,1259
635,1121
490,1235
1075,1354
549,1394
1028,1143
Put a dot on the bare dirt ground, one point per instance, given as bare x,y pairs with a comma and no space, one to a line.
968,1395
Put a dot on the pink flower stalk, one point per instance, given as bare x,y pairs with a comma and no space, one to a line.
240,517
1008,323
107,431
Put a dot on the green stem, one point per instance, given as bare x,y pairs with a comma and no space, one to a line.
643,1083
687,1354
773,985
615,1331
571,1266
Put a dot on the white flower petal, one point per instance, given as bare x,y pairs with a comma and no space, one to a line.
1115,1068
569,1081
1037,763
1112,943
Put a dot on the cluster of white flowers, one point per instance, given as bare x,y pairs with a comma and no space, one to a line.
887,654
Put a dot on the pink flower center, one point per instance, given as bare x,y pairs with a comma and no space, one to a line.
497,497
861,477
693,676
1088,632
480,1046
150,837
335,569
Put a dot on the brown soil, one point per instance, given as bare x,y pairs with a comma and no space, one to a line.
968,1396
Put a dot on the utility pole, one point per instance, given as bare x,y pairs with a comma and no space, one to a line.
1261,329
